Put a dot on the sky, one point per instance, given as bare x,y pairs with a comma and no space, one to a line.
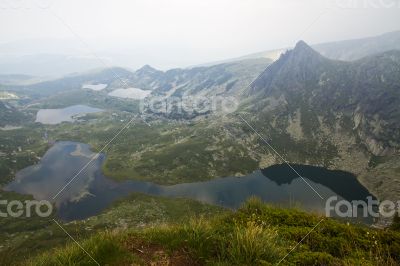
177,33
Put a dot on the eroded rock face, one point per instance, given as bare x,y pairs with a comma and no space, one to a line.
374,146
370,131
294,128
378,148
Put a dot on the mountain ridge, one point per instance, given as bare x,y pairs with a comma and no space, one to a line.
366,87
345,50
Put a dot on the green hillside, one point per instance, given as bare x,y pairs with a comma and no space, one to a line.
256,234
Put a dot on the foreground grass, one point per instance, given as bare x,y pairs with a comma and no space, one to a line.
23,238
256,234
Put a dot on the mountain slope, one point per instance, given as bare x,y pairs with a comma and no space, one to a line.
10,116
228,78
343,115
367,90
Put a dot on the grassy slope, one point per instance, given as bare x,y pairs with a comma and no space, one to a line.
167,152
12,159
21,238
171,152
256,234
10,115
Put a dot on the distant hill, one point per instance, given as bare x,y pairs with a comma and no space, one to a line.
350,50
55,58
109,75
227,78
47,65
346,50
18,79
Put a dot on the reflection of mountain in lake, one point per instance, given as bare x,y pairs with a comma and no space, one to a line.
342,183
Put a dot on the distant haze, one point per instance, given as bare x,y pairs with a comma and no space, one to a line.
173,33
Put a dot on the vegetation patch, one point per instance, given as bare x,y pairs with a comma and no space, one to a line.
256,234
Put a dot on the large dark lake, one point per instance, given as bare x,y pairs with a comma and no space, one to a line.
91,192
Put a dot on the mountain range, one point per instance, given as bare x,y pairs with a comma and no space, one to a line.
55,58
347,50
315,110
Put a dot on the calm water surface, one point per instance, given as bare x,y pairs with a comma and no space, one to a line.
68,114
91,192
130,93
95,87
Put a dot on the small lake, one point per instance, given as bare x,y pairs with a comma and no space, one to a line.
91,192
68,114
130,93
95,87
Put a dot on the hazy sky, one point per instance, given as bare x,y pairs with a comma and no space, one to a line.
184,32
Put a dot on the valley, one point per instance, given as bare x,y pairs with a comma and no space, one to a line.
214,143
335,121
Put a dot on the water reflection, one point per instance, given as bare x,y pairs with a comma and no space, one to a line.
341,183
91,191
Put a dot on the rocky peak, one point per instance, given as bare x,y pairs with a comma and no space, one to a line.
295,67
302,46
146,69
302,53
